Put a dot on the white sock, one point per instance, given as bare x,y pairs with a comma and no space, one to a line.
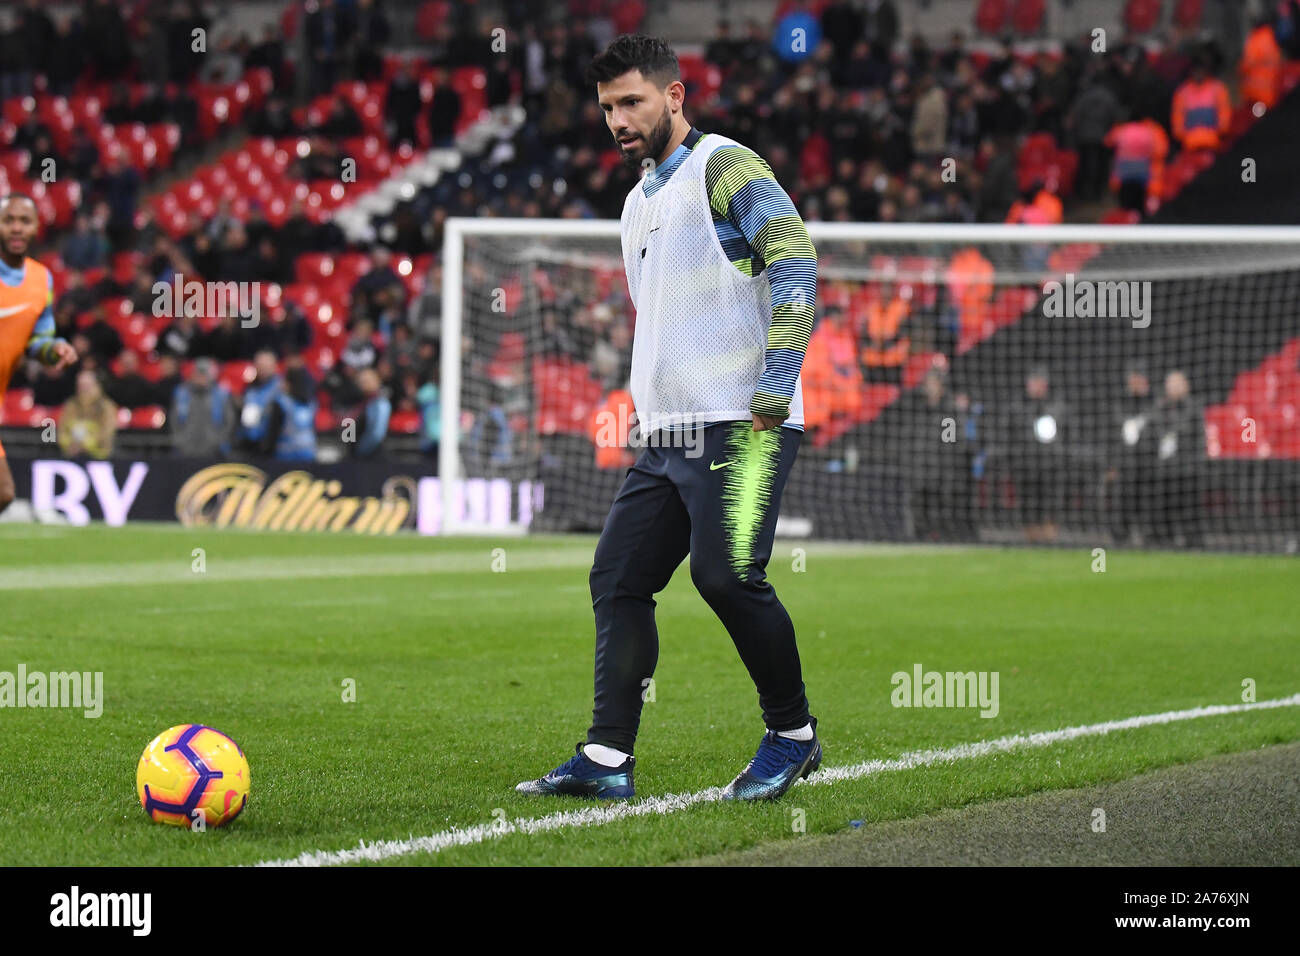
606,756
803,733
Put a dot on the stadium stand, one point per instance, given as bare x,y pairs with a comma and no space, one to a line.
229,172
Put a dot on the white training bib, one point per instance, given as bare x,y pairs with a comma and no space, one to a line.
701,324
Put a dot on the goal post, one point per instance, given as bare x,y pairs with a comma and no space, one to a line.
1074,384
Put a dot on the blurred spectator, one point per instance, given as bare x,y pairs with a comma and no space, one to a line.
1036,433
85,248
110,52
118,109
1037,205
379,276
67,55
430,419
104,341
327,29
444,110
223,63
226,341
832,379
254,410
141,294
402,105
371,34
1178,426
940,460
88,421
1261,66
372,422
1202,110
929,120
1130,468
33,44
169,378
360,352
128,388
291,431
202,414
341,122
273,119
183,60
284,331
83,154
268,53
1140,148
119,186
182,339
880,18
1094,112
885,343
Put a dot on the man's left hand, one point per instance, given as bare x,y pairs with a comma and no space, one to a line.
763,422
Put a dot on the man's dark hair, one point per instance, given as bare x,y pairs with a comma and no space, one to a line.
633,51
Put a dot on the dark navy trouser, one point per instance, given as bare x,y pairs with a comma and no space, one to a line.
718,502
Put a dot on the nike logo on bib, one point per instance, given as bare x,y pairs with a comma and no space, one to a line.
644,248
11,310
714,466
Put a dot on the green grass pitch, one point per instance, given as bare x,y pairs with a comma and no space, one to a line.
469,680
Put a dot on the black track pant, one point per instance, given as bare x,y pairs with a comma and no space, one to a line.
718,501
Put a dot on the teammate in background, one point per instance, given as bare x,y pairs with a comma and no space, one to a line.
723,276
26,308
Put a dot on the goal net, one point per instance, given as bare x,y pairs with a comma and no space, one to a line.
1078,385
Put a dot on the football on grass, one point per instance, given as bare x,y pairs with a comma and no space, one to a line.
191,772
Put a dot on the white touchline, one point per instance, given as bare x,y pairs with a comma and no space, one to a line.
671,803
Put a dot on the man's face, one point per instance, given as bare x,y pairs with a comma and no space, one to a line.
18,225
639,115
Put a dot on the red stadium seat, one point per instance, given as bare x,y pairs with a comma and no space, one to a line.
235,375
404,423
148,417
1188,14
1142,16
431,15
326,420
138,335
1027,17
991,16
16,407
319,359
564,395
314,266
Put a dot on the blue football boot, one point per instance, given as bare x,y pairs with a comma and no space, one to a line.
778,763
580,776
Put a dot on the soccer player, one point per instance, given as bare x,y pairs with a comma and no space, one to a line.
723,277
26,308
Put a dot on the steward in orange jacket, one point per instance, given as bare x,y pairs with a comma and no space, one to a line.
1202,111
1261,67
